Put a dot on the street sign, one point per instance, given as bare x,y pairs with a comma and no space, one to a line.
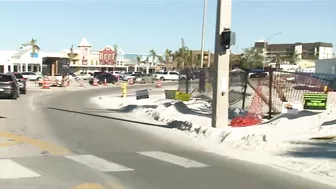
142,94
182,96
315,101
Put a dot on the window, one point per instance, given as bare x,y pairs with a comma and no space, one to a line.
105,56
5,78
110,56
91,62
96,62
18,75
101,55
173,73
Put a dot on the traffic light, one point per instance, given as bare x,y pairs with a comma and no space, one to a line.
228,38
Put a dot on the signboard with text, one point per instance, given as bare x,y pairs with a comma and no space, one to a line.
315,101
142,94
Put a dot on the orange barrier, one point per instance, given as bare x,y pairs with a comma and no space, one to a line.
46,84
95,82
130,81
158,84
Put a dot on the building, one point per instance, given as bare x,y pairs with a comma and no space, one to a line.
24,59
317,50
326,66
84,59
75,59
197,56
143,62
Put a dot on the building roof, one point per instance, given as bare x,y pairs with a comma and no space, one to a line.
84,43
292,45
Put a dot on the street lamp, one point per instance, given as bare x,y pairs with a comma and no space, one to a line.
265,46
203,31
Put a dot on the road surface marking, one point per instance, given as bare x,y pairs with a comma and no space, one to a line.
114,185
89,186
44,145
98,163
170,158
11,170
11,143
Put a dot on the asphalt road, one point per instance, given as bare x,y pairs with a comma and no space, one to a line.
88,151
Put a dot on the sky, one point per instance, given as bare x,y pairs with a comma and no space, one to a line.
138,26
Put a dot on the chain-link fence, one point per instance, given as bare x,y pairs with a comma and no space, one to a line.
282,86
201,81
272,87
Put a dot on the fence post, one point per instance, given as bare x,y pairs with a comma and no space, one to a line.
247,72
270,94
187,83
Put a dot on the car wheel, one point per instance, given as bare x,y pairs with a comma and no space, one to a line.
24,91
162,78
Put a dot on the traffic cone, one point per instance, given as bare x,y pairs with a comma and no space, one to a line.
105,83
81,83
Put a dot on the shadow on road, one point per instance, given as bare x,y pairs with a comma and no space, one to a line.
301,114
314,149
174,124
1,117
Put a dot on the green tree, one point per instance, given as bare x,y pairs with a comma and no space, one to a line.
236,60
139,57
291,58
183,57
252,58
33,44
115,49
72,55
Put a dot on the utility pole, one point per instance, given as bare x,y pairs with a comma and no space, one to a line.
203,31
220,97
209,58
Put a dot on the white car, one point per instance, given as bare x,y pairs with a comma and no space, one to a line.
131,76
83,76
32,76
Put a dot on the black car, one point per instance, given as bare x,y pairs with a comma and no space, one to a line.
9,86
101,78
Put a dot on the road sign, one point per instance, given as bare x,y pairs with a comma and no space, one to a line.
142,94
315,101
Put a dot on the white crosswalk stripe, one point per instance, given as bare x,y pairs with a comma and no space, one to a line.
98,163
174,159
12,170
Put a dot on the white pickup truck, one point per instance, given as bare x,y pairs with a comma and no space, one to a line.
170,75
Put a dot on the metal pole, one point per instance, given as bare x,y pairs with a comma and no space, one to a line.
209,58
203,31
220,97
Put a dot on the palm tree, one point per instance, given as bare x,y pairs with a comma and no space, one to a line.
72,55
33,45
168,57
35,48
115,49
183,57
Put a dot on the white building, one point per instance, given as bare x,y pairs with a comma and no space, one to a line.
23,59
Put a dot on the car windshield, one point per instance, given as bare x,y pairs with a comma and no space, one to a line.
5,78
18,75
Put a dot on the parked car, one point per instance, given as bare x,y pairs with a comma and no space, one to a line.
21,81
32,76
83,76
101,78
148,78
133,76
9,87
170,75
